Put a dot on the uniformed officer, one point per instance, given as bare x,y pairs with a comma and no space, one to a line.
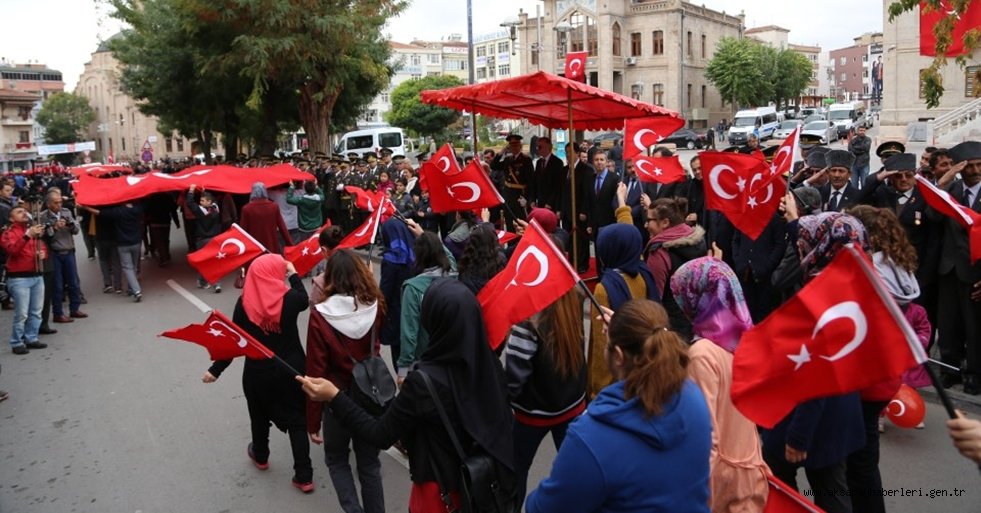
518,169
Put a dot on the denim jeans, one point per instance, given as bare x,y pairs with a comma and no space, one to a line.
129,257
337,438
28,296
859,173
65,272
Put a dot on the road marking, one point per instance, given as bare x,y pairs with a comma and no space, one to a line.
191,298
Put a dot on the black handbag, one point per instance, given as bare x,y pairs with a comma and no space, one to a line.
486,486
373,386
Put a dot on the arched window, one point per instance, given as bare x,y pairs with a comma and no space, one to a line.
616,39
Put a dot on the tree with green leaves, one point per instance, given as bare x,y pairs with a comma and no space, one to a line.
933,87
793,73
65,118
735,71
328,51
423,119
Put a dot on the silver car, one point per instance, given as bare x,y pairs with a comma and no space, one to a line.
826,130
785,128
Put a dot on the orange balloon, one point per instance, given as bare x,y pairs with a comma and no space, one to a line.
906,410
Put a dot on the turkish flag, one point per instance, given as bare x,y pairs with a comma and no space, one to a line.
307,254
224,253
941,201
783,499
504,237
467,190
575,66
842,332
365,234
222,338
536,276
788,154
640,134
743,187
659,169
970,19
363,200
443,161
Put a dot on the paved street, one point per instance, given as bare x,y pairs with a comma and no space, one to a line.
111,418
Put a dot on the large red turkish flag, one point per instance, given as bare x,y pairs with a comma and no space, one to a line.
443,161
783,499
941,201
307,254
536,276
787,155
365,234
640,134
222,338
575,66
842,332
970,19
226,252
467,190
743,187
659,169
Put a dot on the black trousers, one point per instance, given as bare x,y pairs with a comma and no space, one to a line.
511,196
828,483
864,479
958,320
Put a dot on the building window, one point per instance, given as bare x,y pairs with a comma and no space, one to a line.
481,51
132,116
658,42
433,73
704,44
658,92
481,73
169,144
415,59
635,48
25,136
689,45
415,75
616,40
490,71
23,113
180,144
689,97
843,61
865,58
703,96
385,98
576,42
972,80
534,55
122,140
502,47
432,58
844,76
592,36
562,44
504,70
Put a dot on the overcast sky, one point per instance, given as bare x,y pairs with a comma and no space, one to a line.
64,33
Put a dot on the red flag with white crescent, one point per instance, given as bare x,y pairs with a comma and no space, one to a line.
941,201
930,18
575,66
640,134
842,332
784,499
467,190
536,276
307,254
365,234
659,169
787,155
225,253
504,237
742,187
222,338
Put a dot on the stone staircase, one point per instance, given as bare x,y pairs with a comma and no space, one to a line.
958,125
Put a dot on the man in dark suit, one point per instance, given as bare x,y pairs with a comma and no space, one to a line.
583,195
604,193
545,188
635,189
960,278
838,194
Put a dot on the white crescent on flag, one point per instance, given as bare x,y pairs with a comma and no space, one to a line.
537,254
714,181
228,329
474,191
846,310
235,242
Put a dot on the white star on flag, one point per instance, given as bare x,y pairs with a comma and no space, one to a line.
220,255
306,251
752,202
741,183
658,171
800,359
215,332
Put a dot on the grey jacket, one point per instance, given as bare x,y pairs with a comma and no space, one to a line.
59,239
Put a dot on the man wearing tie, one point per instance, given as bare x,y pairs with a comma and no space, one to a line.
635,190
545,188
604,195
960,278
838,194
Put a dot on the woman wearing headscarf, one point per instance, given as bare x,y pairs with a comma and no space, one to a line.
343,329
261,218
644,442
820,434
396,267
268,310
624,277
469,384
708,292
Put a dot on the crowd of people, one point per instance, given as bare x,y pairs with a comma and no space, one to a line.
637,402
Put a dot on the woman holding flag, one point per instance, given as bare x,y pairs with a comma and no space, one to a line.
268,310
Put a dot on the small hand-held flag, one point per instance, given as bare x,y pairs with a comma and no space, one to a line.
536,276
442,162
783,499
575,66
788,154
307,254
941,201
365,234
659,169
743,187
842,332
466,190
640,134
225,253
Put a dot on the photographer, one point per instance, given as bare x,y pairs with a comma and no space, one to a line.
25,254
60,230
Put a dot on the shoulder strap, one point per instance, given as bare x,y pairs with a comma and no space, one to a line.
442,415
340,341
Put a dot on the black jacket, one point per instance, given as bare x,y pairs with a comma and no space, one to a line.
763,254
540,394
849,197
603,210
546,182
955,253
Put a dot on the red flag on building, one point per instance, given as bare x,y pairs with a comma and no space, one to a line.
783,499
467,190
941,201
365,234
742,187
536,276
842,332
225,253
787,155
575,66
659,169
307,254
640,134
930,18
222,338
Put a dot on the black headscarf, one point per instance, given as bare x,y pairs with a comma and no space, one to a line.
618,247
460,358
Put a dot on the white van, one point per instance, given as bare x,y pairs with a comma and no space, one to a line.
372,140
847,116
762,120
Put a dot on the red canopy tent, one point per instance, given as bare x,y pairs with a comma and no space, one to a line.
550,101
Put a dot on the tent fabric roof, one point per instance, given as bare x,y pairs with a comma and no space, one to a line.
543,99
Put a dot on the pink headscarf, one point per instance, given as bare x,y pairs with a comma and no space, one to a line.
708,292
265,287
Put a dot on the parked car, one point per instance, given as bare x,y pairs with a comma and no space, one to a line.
606,140
686,138
785,128
812,118
826,130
